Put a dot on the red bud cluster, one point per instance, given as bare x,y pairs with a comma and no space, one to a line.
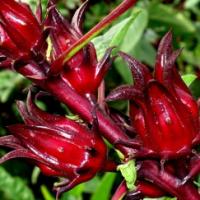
162,109
57,145
23,39
163,124
165,117
82,72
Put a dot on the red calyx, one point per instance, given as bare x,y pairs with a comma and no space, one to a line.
59,146
49,74
7,46
20,25
82,72
73,57
145,189
162,109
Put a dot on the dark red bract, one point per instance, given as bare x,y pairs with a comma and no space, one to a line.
160,132
20,25
59,146
71,70
82,72
162,109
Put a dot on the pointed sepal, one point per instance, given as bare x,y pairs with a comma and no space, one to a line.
77,19
124,92
141,74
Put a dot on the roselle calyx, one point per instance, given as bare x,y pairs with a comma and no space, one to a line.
48,75
145,189
166,181
73,57
20,31
7,46
82,72
142,189
57,145
162,109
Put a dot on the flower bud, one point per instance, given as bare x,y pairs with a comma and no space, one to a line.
7,47
82,72
57,145
162,109
145,189
20,25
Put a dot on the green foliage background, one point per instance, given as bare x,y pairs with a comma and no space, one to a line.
137,32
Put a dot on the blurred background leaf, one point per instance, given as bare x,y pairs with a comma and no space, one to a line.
167,17
13,188
9,81
103,189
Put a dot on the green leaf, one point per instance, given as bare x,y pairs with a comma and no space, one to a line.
46,194
194,87
144,52
33,4
131,40
74,194
135,31
128,171
193,83
197,182
13,188
8,82
163,15
191,3
189,78
121,35
115,35
35,175
191,57
103,190
90,185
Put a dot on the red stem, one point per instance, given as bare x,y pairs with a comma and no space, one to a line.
120,192
149,170
83,41
58,88
81,106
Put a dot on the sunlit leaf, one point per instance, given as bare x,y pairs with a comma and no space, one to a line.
35,175
103,190
13,188
189,78
193,82
130,42
191,3
128,171
163,15
46,194
8,82
75,193
115,35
